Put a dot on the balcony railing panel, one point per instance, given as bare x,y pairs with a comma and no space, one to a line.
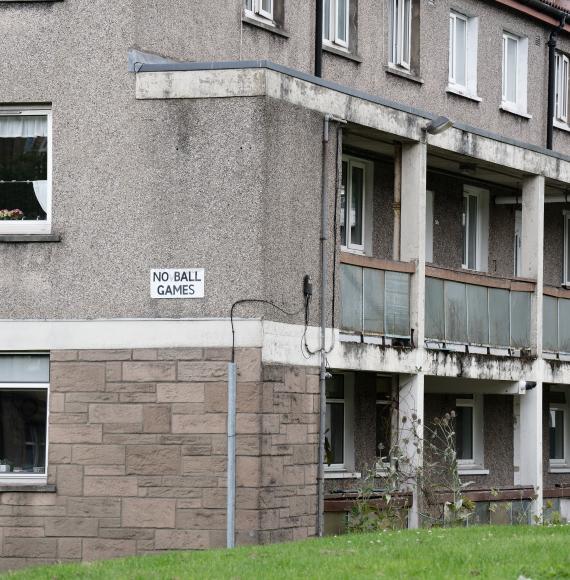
477,314
375,301
556,323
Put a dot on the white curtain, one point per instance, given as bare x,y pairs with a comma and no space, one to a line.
13,126
40,189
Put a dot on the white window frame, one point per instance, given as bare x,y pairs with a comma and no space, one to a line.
477,463
367,209
519,105
482,240
331,27
347,467
254,9
469,89
430,200
25,226
400,20
566,274
554,463
518,244
29,478
562,72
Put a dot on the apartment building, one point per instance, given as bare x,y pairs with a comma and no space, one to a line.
185,187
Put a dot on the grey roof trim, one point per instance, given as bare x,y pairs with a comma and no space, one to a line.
248,64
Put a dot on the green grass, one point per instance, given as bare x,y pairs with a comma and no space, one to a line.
482,552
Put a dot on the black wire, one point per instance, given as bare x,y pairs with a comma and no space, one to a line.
255,301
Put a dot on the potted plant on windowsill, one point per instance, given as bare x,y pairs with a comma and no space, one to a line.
11,214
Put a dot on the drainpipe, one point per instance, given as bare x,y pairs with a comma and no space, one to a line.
319,38
397,205
323,359
552,80
231,484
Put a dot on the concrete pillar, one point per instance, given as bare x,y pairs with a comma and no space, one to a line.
411,404
530,444
412,249
532,251
413,229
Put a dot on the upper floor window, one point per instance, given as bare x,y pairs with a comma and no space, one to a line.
260,8
566,276
401,33
561,90
25,171
463,54
515,60
336,15
475,223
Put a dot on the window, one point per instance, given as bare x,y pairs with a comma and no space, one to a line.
356,204
515,58
475,224
463,54
429,226
260,8
561,90
469,432
558,429
336,15
24,391
401,33
518,243
25,171
566,276
383,421
339,445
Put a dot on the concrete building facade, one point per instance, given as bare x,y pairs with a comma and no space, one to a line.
135,140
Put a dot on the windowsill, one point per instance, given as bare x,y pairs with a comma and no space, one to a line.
561,126
342,52
29,238
460,93
465,470
265,25
514,111
27,487
559,469
400,72
352,251
334,474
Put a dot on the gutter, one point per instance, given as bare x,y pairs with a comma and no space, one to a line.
537,10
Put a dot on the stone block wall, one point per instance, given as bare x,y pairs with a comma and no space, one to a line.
138,453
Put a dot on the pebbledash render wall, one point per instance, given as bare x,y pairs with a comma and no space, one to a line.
137,456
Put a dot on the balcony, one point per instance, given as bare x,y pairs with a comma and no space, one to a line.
464,308
556,320
375,297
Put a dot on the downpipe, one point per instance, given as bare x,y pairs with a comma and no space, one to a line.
231,471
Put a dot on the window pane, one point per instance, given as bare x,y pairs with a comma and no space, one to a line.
249,4
334,432
356,199
23,167
24,368
511,75
556,434
341,22
267,6
335,387
383,429
464,432
472,244
407,30
460,51
327,19
343,203
464,226
567,248
23,431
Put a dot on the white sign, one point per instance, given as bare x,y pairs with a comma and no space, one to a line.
177,283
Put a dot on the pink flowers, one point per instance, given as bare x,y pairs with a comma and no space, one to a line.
11,214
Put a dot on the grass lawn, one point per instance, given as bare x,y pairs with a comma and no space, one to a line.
483,552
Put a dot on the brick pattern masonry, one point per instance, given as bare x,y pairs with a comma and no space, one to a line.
137,452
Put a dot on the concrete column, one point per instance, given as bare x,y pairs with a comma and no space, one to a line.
413,229
530,444
532,250
411,404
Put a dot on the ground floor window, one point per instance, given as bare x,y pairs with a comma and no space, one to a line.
469,431
339,446
558,428
383,420
24,393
